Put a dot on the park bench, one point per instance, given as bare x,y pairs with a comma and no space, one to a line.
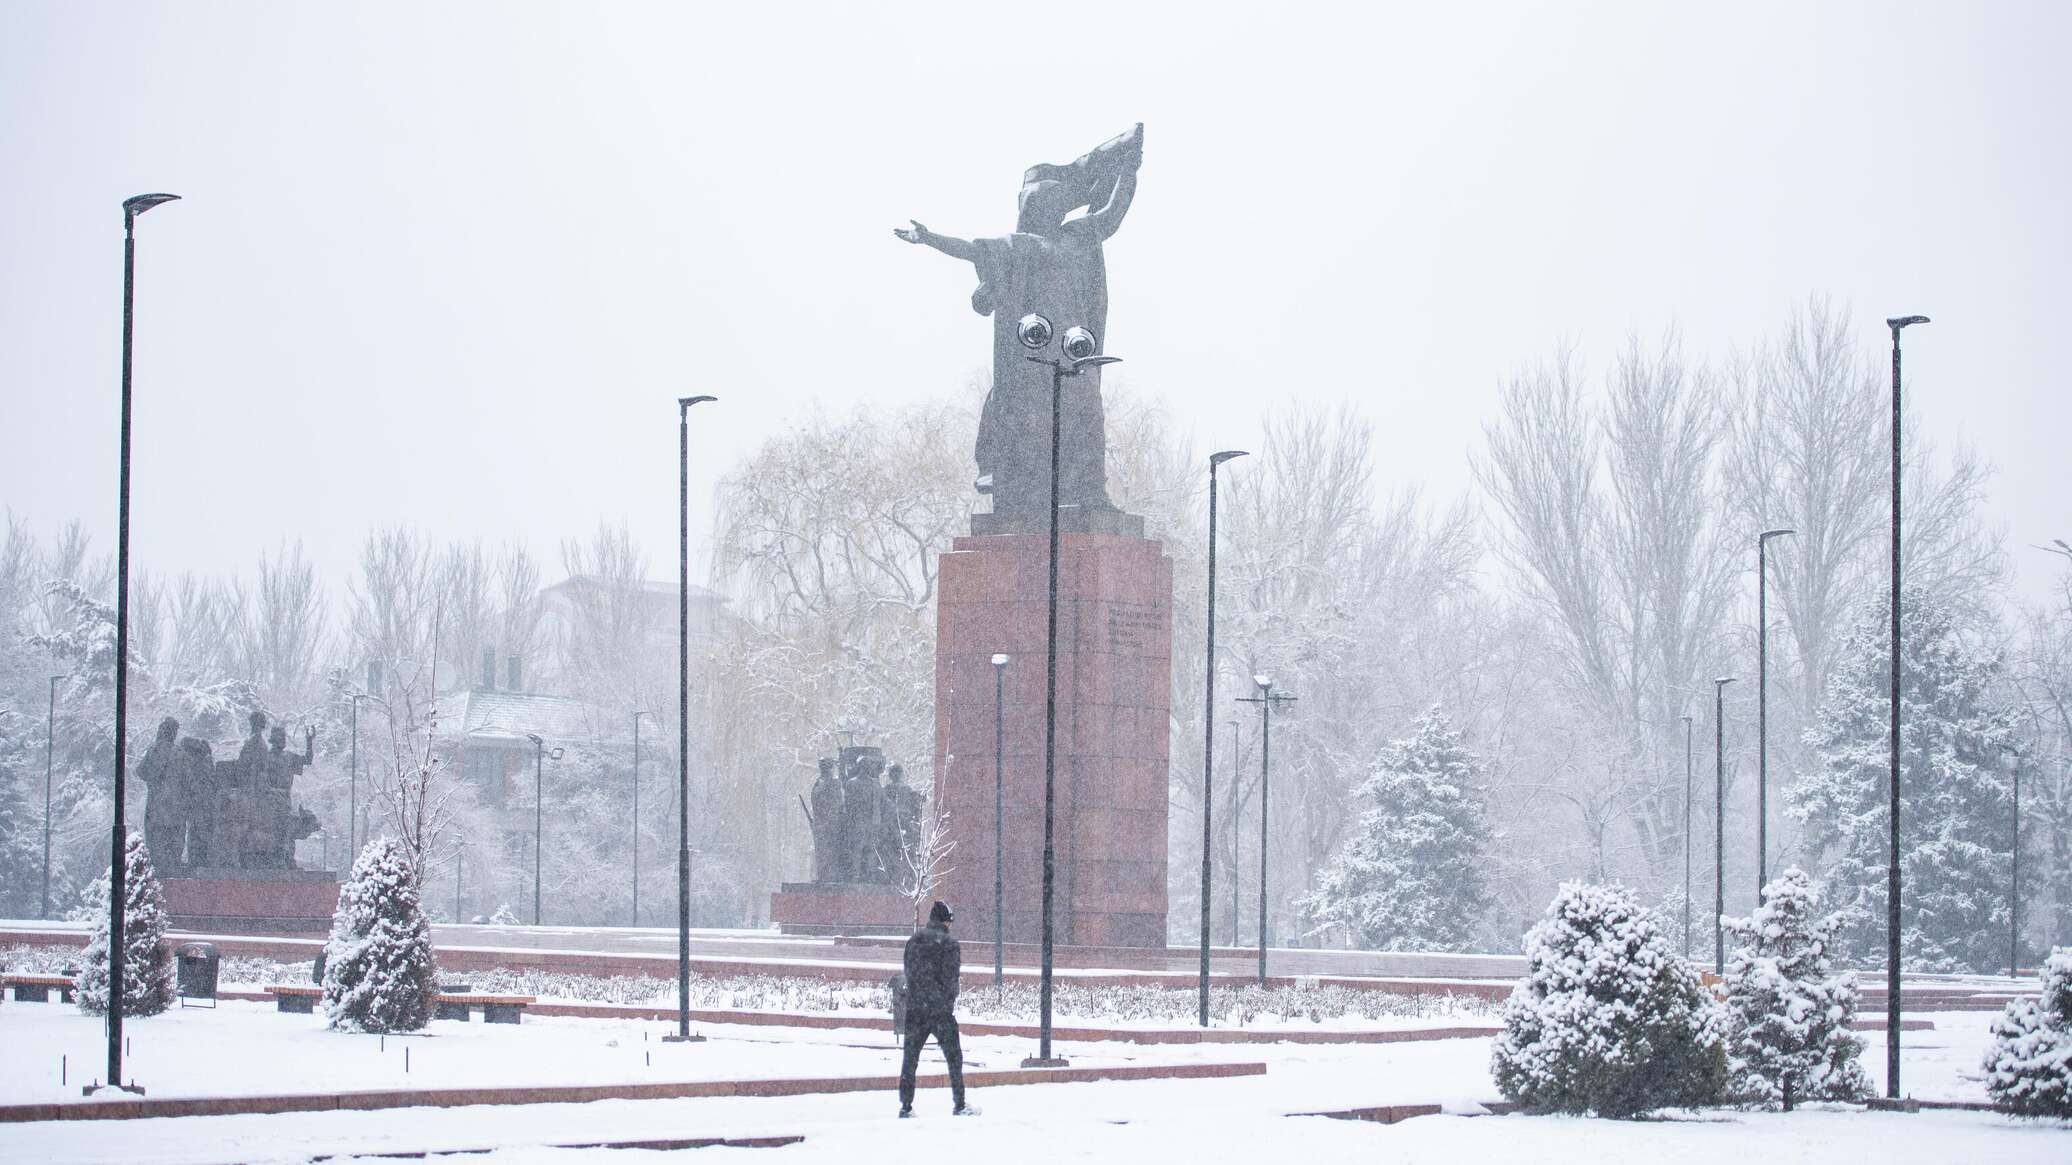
450,1005
37,988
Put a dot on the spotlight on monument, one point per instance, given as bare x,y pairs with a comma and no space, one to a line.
1079,344
1035,331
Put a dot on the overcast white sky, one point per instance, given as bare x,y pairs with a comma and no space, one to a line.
451,265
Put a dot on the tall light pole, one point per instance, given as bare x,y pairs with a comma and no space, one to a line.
460,850
2014,878
1235,889
636,814
352,805
1266,699
50,744
1080,349
1687,837
1719,823
683,718
1208,720
538,801
999,814
131,208
1892,1028
1762,709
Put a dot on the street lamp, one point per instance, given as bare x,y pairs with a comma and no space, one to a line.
1235,889
1687,837
1892,1028
636,814
1208,718
352,805
538,767
999,812
131,208
683,718
2014,879
1266,698
460,849
1762,709
1719,823
50,744
1080,349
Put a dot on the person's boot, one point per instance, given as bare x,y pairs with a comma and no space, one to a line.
963,1109
906,1111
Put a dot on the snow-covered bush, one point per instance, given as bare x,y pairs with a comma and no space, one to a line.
1791,1013
1409,877
2029,1065
503,916
147,964
1608,1019
378,969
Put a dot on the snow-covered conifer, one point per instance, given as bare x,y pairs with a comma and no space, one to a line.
378,969
147,964
2029,1065
1957,820
1608,1019
1410,876
1792,1036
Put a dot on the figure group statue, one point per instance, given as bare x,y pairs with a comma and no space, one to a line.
201,812
862,830
1051,265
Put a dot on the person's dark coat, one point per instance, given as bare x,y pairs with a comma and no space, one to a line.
933,963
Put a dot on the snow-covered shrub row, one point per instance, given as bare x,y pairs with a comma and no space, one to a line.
1792,1013
147,962
1609,1020
2029,1065
378,970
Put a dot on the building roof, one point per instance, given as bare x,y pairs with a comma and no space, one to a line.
488,714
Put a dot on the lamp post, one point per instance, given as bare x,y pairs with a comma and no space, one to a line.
1687,837
459,851
1762,709
1892,889
1080,349
2014,873
1719,823
538,817
1235,890
352,805
131,208
636,814
50,744
999,813
1266,699
1208,718
683,718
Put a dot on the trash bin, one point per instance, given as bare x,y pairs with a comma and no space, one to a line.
898,985
197,966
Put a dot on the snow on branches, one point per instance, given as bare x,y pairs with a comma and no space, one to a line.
147,963
1608,1019
1792,1014
2029,1065
378,969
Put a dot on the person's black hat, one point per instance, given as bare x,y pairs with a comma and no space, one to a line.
940,912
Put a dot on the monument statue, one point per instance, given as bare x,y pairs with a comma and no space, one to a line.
1050,265
900,834
826,821
165,801
196,774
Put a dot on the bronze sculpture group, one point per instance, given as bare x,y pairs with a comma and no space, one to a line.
228,814
863,831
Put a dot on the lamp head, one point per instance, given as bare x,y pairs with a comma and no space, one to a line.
1766,535
684,403
1263,680
1000,659
1034,331
139,203
1904,321
556,754
534,737
1216,459
1722,681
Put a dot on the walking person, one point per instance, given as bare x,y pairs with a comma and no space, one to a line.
933,962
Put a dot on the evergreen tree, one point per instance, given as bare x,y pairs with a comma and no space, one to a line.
1792,1036
378,969
1410,876
147,964
1956,804
2029,1065
1608,1019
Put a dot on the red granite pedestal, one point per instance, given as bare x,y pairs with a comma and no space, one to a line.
1115,595
237,901
850,908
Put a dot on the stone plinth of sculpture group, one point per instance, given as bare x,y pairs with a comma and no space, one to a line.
223,833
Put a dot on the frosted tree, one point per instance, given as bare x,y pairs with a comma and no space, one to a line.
1792,1013
1608,1020
378,969
2029,1064
147,963
1957,817
1410,876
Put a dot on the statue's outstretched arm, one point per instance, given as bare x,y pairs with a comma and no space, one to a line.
1108,218
950,245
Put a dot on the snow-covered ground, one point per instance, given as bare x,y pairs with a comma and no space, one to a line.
251,1048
